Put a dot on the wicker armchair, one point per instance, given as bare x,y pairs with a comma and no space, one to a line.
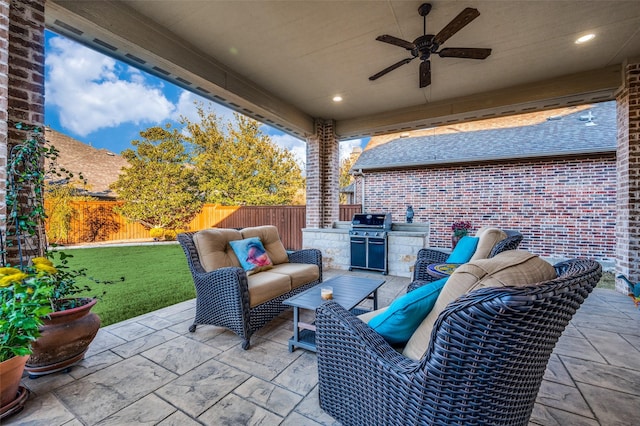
427,256
484,364
222,296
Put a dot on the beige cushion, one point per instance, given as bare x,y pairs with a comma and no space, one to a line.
266,285
489,237
214,249
366,317
300,273
510,268
268,234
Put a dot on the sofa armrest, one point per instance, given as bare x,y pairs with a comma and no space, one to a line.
433,255
338,331
224,289
311,256
421,272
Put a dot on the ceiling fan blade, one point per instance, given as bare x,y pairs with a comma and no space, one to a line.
464,52
459,22
396,41
391,68
425,74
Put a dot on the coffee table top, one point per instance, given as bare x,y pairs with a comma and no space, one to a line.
347,291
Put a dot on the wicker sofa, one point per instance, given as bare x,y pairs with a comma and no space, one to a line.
243,302
481,362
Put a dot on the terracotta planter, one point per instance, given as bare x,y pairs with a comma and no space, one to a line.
64,339
10,375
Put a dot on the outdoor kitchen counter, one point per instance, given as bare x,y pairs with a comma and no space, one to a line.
405,239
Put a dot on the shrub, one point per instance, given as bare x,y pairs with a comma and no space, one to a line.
156,233
170,235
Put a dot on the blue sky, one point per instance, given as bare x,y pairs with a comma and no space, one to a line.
106,103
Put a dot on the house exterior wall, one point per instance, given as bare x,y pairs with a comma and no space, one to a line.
565,208
628,168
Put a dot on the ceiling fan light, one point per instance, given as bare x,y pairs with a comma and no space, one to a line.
585,38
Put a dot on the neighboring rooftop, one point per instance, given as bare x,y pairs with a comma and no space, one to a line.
565,131
99,167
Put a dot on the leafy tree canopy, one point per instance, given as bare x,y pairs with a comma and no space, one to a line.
160,187
237,164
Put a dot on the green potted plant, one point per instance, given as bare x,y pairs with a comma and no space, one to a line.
69,327
24,302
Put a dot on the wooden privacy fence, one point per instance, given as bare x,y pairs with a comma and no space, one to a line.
96,221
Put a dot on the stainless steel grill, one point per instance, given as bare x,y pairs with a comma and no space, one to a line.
368,239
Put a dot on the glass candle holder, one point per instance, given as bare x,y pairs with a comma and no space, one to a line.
326,292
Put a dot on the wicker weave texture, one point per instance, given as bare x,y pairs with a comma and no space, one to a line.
222,296
484,364
427,256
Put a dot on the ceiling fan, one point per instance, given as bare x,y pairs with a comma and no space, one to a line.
428,44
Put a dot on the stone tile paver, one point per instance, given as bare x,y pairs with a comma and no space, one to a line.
269,396
105,392
202,387
180,354
152,370
233,410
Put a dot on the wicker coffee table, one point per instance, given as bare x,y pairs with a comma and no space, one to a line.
347,291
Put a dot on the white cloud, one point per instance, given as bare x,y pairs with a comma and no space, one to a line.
90,92
187,107
347,146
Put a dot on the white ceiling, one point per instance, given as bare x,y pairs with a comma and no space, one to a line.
283,61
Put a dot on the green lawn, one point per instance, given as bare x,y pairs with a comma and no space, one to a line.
155,276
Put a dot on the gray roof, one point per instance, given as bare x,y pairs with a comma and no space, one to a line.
562,135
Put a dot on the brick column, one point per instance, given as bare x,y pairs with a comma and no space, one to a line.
25,77
4,95
323,170
628,166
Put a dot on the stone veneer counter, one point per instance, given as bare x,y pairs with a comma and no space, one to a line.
405,239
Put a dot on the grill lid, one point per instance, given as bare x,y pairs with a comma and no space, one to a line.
371,221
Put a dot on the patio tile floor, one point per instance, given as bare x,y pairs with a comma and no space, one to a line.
151,370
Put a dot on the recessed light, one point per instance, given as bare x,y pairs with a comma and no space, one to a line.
585,38
337,98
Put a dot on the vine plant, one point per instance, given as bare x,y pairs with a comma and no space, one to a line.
28,165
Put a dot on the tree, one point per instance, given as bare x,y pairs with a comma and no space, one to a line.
241,166
159,188
346,178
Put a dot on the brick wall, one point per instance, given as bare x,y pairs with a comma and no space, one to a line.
25,90
628,168
4,94
564,207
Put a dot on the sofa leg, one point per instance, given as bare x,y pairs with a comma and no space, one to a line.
245,344
192,328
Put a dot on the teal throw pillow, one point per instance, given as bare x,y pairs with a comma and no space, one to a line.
404,315
464,250
251,254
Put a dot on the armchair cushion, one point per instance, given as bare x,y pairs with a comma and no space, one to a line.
488,238
400,320
251,254
514,268
464,250
213,248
